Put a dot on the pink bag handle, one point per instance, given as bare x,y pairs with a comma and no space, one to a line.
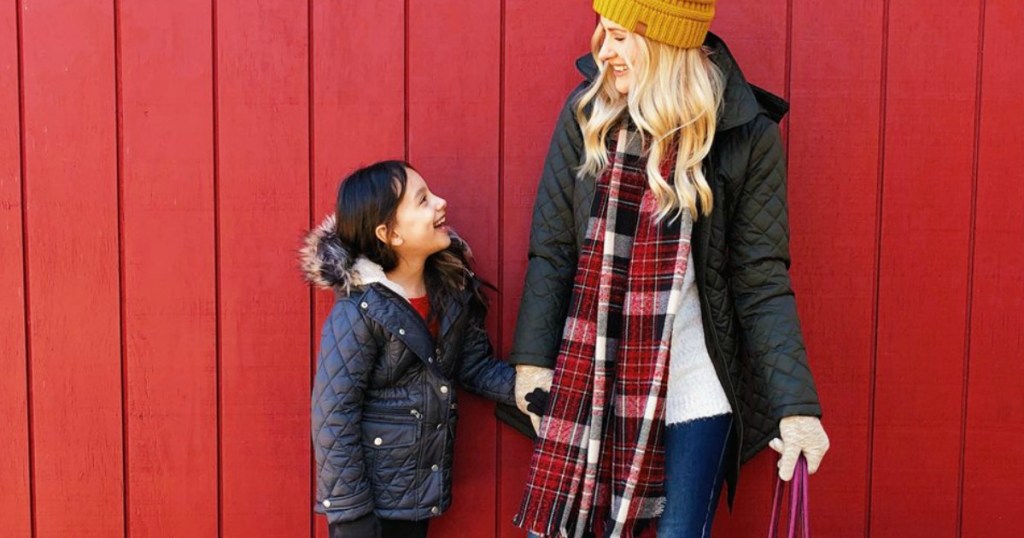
798,503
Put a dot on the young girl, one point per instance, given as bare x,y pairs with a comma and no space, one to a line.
406,326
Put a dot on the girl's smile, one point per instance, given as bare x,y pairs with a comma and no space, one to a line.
421,222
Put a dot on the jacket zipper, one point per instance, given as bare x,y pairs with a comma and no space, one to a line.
379,410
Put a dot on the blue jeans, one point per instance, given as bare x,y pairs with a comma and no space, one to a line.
694,472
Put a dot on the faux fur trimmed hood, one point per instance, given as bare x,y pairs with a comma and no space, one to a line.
326,263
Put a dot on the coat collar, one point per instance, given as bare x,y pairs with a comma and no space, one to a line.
326,262
742,101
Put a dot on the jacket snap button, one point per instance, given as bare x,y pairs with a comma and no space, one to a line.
378,441
444,389
401,331
435,510
439,426
434,468
430,360
327,503
364,305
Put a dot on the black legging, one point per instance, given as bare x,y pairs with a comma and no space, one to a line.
395,528
386,528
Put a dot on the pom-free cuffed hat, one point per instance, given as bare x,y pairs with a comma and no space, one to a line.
681,23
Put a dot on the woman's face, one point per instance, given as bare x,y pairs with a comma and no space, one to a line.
619,52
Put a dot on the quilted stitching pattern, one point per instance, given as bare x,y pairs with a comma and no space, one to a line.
384,408
774,379
559,218
741,255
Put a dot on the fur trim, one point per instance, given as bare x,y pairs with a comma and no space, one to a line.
326,262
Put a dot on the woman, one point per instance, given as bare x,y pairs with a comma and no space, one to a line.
672,360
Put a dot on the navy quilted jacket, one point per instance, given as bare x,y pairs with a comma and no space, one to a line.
741,256
384,407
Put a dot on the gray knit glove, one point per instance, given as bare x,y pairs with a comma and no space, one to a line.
528,379
800,434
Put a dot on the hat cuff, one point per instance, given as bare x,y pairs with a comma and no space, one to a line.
684,25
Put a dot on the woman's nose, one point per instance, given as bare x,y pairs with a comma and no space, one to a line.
604,53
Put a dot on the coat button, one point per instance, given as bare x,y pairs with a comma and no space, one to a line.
364,305
439,426
444,389
378,441
401,332
430,360
434,468
435,510
327,503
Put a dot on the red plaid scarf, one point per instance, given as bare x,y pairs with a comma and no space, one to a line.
600,457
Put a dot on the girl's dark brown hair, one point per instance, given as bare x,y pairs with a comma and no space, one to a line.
370,197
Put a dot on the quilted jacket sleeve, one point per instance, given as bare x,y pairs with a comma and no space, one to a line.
481,372
552,256
759,259
347,353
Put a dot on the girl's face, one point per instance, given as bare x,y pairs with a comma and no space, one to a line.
419,229
619,52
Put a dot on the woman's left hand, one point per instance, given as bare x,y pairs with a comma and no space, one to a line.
800,434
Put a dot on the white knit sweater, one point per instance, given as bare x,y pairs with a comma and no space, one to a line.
693,387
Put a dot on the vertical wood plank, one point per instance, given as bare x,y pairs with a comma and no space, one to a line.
756,33
354,123
15,502
454,99
263,202
539,74
70,173
993,495
930,103
169,278
833,190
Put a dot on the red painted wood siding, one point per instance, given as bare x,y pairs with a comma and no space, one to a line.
159,163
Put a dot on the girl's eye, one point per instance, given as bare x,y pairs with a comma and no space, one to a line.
619,38
423,200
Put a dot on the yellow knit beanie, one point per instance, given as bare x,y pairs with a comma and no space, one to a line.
682,23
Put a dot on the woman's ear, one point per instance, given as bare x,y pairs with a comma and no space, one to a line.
386,236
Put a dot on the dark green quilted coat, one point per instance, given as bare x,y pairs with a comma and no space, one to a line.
741,252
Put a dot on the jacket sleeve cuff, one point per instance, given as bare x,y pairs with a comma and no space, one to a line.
348,507
801,409
530,359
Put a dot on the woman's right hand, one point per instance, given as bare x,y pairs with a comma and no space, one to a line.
528,379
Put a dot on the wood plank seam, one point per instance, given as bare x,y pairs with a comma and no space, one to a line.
19,8
122,337
971,244
883,116
218,300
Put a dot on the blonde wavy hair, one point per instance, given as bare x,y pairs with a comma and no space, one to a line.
676,100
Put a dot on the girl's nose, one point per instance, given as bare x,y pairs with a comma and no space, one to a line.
442,204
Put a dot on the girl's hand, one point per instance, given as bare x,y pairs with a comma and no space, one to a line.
528,379
800,434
